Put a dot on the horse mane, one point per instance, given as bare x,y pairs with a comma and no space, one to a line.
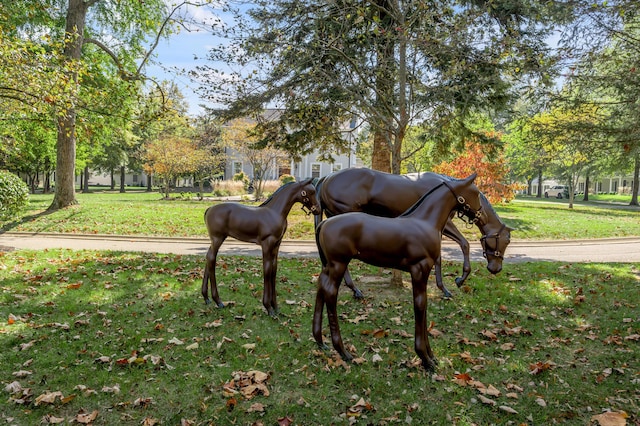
304,182
485,201
420,200
265,202
486,206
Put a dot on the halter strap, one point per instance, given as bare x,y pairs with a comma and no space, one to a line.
472,216
493,252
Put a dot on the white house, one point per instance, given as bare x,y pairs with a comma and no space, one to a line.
616,184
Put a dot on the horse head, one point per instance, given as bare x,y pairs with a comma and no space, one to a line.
307,196
494,246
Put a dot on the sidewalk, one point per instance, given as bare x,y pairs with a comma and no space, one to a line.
625,250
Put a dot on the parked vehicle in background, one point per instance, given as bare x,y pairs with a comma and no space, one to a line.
558,191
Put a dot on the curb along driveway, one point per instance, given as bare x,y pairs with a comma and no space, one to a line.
600,250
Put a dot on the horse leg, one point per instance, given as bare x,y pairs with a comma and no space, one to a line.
439,283
210,273
328,283
270,269
316,326
357,294
452,232
419,275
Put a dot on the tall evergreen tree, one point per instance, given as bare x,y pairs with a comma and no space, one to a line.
391,63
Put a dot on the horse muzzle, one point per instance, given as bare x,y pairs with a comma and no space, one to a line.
494,266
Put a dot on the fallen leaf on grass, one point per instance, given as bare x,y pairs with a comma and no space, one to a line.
48,398
486,400
256,407
541,402
86,418
52,420
249,384
491,390
13,387
611,418
360,406
462,379
285,421
143,402
539,367
508,409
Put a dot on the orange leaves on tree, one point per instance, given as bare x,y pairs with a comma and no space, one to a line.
492,173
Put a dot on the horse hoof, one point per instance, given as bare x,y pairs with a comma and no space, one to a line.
447,294
207,301
430,365
220,304
323,347
346,357
357,294
459,281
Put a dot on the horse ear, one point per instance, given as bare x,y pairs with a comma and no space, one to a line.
471,178
511,229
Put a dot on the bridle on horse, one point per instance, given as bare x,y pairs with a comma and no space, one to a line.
306,203
493,252
467,213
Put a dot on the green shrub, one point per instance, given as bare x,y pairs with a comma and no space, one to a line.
286,179
242,177
14,195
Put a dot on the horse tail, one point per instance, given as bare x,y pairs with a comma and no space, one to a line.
323,257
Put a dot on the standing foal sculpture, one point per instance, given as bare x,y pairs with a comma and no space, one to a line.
389,195
264,225
410,242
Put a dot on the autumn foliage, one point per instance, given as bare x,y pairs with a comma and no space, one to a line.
492,173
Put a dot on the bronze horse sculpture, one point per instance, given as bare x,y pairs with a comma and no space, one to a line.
264,225
389,195
410,242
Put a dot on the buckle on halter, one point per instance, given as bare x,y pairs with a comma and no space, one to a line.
307,210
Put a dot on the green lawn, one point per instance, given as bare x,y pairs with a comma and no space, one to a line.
124,338
112,338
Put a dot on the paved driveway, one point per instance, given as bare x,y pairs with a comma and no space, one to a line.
600,250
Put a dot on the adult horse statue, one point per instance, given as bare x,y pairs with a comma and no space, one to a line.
264,225
410,242
389,195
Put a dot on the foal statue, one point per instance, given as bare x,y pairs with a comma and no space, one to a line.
264,225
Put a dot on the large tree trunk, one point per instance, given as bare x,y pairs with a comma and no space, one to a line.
539,195
636,176
381,155
586,188
65,193
122,178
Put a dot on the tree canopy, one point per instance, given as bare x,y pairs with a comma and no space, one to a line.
391,63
